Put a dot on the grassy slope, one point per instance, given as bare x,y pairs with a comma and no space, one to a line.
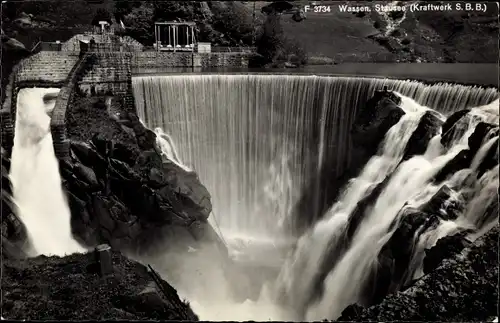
336,35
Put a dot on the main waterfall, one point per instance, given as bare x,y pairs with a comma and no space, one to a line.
257,140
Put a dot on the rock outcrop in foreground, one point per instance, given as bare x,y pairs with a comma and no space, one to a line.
133,197
69,288
463,289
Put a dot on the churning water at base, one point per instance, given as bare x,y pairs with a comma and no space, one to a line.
37,193
256,140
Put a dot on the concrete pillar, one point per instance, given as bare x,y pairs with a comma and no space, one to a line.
103,259
197,60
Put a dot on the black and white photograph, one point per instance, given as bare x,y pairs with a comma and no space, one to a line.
286,161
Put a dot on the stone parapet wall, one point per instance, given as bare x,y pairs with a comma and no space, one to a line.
47,66
58,121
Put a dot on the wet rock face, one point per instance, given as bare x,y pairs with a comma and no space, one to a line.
446,203
461,161
454,127
429,126
481,134
394,258
490,160
69,288
133,199
380,114
445,248
392,272
13,232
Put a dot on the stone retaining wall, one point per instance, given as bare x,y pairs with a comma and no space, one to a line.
6,119
169,59
111,72
58,121
44,69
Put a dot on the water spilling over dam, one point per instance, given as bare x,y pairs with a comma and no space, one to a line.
256,140
37,194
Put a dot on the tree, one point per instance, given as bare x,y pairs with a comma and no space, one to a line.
270,44
140,24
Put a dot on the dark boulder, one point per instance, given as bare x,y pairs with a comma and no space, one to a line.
134,203
481,134
69,288
461,161
446,203
428,127
86,154
352,310
490,160
445,248
454,127
372,123
87,175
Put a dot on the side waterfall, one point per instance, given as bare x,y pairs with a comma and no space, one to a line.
255,140
36,182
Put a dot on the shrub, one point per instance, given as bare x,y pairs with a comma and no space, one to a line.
396,33
406,41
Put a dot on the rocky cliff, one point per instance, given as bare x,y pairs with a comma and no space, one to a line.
70,288
463,288
132,197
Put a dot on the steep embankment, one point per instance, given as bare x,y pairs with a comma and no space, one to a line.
70,288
